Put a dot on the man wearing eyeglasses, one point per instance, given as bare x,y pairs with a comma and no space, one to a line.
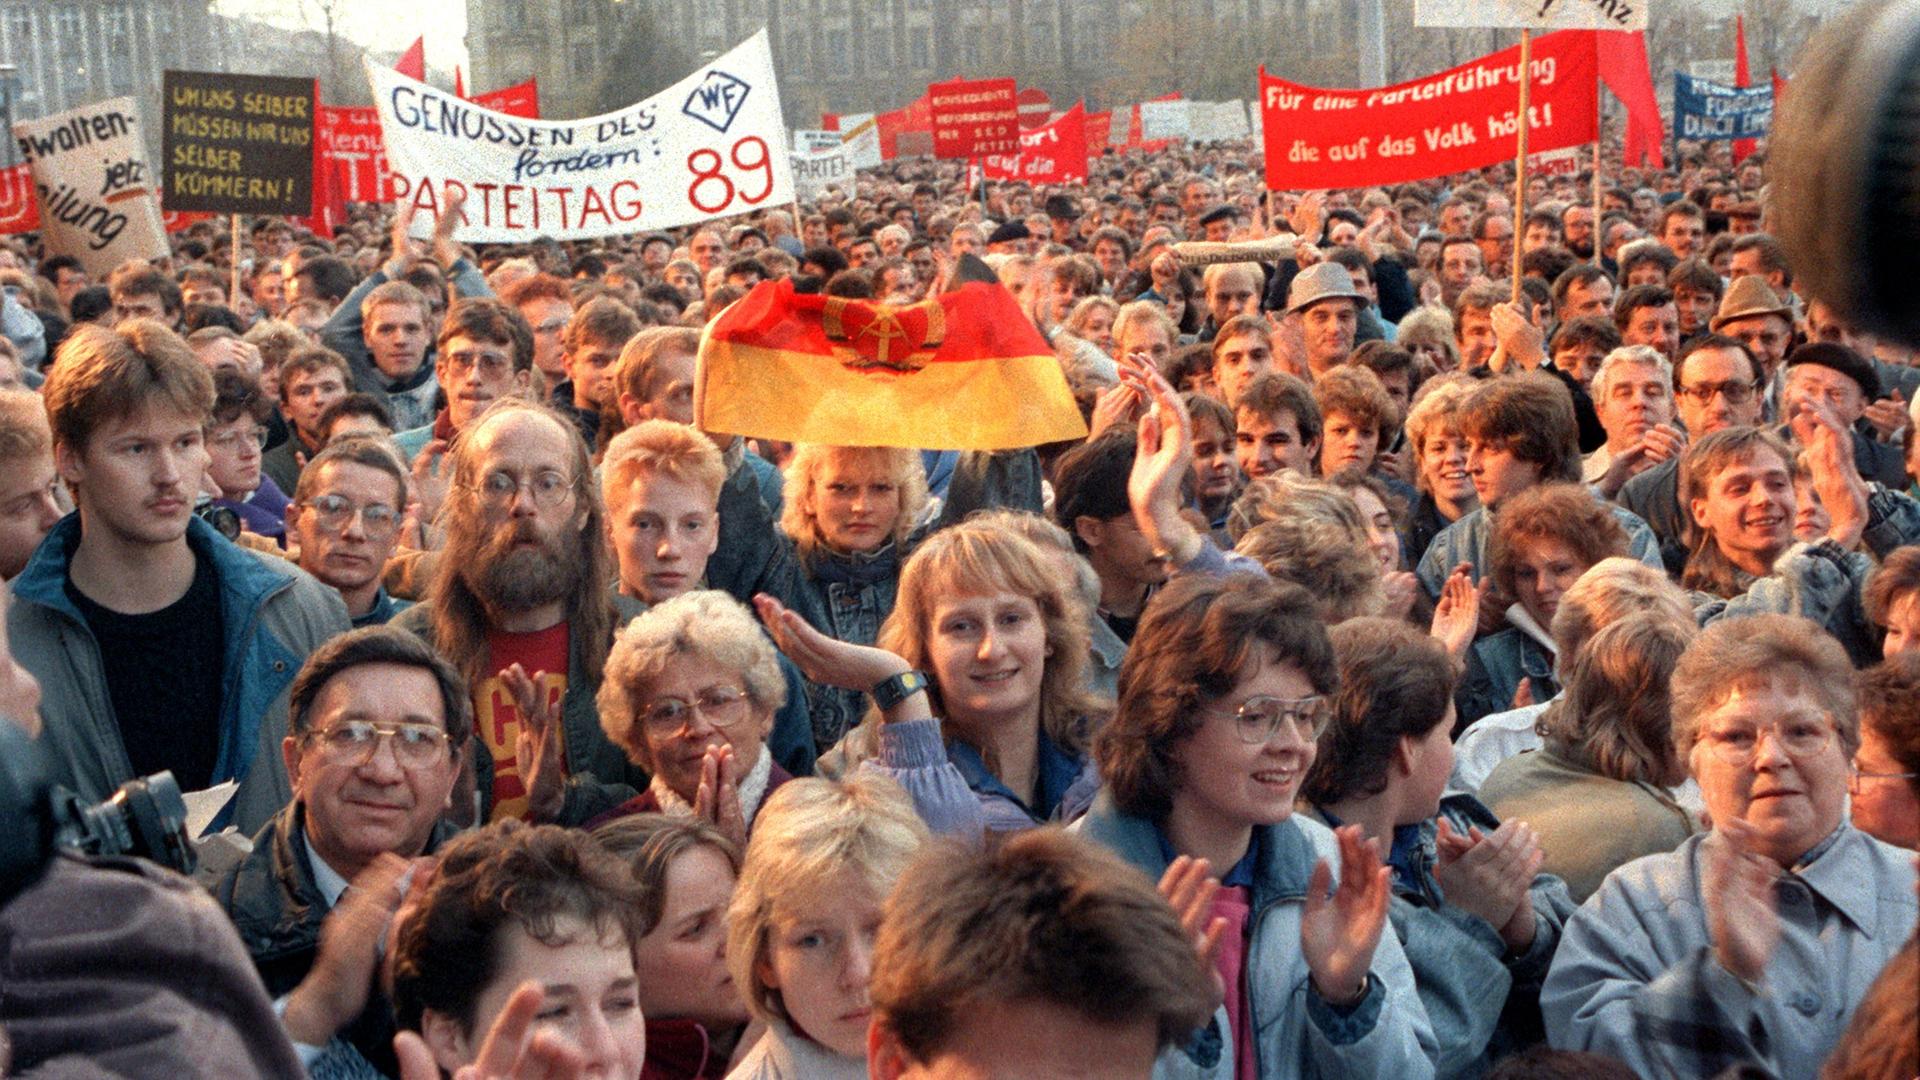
1885,781
1753,942
484,352
344,523
519,601
1716,385
377,726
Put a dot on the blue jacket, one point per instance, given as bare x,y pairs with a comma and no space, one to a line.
1465,541
1482,1002
273,615
1495,667
1299,1034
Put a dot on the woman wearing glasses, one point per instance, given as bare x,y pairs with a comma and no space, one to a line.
1224,691
1477,920
690,692
1751,943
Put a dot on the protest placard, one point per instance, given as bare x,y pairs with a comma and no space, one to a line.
1532,14
19,210
350,141
1165,120
710,145
1460,119
974,117
93,184
862,144
1054,153
1703,109
814,140
237,144
814,173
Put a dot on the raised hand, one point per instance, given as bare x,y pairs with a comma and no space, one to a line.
1398,590
1889,416
832,662
432,476
1738,884
517,1047
452,215
536,748
1339,933
1521,341
337,986
1456,618
1163,456
1189,886
1489,876
1835,478
1309,216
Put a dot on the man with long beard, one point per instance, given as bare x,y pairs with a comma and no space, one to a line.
519,605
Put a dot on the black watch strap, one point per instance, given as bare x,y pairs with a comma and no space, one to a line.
895,689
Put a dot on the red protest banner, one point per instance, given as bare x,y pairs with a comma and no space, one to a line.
19,206
1055,153
1099,130
1453,121
974,117
520,99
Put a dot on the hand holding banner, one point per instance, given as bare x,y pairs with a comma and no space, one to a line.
711,145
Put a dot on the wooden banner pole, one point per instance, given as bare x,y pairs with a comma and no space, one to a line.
1520,158
1596,196
233,258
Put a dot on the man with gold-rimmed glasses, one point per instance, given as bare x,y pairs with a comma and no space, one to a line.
377,723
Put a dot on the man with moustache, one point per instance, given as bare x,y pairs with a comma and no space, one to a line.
162,645
519,603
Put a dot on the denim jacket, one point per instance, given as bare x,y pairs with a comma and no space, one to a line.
1482,1001
1297,1032
1495,667
1465,541
273,615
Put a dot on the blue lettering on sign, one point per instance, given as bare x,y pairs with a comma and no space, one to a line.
717,100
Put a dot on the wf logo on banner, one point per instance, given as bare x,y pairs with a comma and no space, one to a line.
1713,111
1460,119
97,193
710,145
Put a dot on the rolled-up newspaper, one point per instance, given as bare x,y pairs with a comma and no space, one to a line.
1205,252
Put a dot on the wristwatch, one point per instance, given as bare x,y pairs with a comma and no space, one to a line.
895,689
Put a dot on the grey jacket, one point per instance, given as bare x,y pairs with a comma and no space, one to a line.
274,615
1636,976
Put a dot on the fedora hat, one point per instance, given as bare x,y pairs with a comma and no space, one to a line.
1322,281
1748,296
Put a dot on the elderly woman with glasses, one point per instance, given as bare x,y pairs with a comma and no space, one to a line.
690,692
1752,942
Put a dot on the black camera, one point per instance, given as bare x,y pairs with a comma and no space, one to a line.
145,818
223,518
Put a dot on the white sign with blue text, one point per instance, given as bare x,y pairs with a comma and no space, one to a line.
712,145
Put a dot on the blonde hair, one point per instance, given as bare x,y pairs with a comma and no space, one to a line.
705,625
810,832
1610,590
1287,494
1616,716
1320,556
977,558
797,516
1438,403
660,447
24,434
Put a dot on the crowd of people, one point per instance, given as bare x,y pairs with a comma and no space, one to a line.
1413,673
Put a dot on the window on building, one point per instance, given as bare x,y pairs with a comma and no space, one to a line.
512,16
970,47
920,42
582,59
1040,42
837,48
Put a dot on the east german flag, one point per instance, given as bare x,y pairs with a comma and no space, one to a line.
965,370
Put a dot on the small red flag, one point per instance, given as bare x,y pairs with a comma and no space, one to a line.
1741,77
459,83
964,370
413,62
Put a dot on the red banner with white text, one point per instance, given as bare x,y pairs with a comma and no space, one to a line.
974,117
1454,121
1053,153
